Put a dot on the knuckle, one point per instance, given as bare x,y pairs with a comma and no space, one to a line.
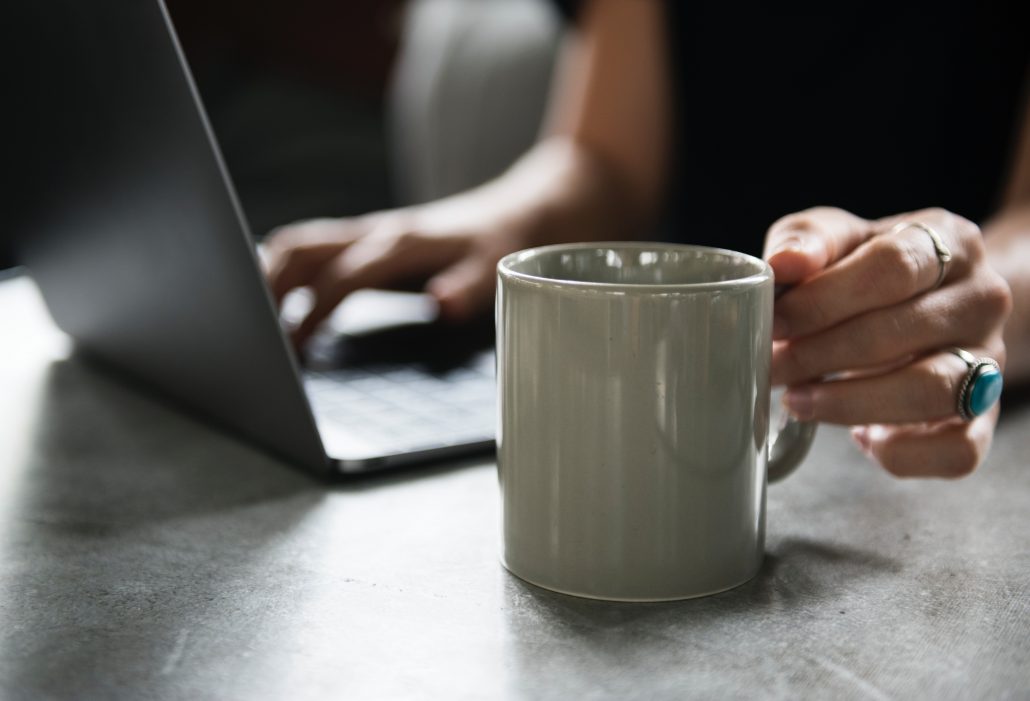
868,279
965,232
896,271
956,229
967,229
972,242
908,265
997,297
939,215
821,212
405,239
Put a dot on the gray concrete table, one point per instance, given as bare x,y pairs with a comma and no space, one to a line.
145,555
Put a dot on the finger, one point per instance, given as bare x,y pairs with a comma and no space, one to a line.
950,449
887,269
295,253
464,289
925,390
372,262
296,267
801,244
960,315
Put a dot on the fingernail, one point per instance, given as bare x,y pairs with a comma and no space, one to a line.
791,243
781,329
807,244
799,402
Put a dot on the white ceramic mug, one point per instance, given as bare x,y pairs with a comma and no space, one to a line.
634,395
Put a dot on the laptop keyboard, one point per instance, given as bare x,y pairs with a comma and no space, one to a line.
403,408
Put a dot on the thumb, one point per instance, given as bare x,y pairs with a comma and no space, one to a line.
465,288
799,245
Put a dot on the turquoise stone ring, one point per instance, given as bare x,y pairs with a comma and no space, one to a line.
981,386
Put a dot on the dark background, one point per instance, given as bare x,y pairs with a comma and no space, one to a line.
294,91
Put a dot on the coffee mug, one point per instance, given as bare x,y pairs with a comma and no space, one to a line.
634,399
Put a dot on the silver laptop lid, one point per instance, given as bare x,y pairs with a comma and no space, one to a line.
135,235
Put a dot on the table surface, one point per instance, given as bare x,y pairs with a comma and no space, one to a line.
146,555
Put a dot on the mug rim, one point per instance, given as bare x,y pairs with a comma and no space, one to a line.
505,270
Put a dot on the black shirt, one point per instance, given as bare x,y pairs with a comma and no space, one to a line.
875,107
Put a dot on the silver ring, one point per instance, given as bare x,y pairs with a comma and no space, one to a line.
980,388
939,248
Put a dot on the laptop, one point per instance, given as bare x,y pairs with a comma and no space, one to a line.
142,253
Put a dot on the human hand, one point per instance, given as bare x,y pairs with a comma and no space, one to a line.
450,247
862,337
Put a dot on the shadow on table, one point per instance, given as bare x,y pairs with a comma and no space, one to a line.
104,456
573,635
559,645
109,443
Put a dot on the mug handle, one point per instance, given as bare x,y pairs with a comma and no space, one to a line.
789,447
793,439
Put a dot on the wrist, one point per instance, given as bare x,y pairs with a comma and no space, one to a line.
564,192
1007,238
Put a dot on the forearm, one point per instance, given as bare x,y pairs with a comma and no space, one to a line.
600,171
1008,248
562,191
558,192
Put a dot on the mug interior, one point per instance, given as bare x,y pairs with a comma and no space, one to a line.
634,264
